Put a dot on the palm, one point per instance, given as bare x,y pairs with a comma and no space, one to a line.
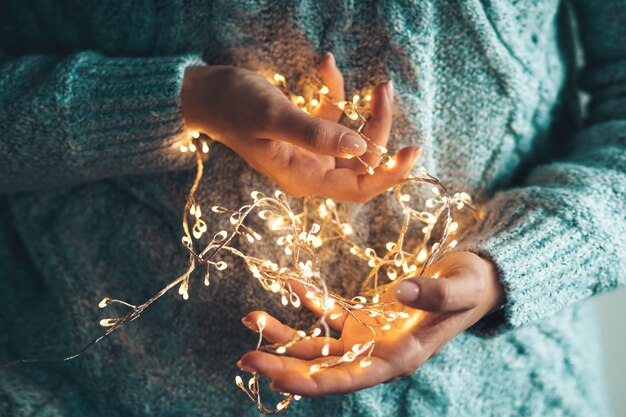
302,172
472,291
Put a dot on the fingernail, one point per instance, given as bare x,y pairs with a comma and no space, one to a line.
407,292
248,324
352,144
416,155
331,57
244,367
390,90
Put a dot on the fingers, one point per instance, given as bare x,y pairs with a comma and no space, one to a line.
342,379
273,329
344,184
446,294
294,375
334,320
320,136
379,122
278,333
333,80
377,128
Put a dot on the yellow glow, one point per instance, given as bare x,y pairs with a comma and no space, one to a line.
422,255
324,90
391,162
261,321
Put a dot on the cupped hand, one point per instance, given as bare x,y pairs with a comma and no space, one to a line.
466,290
305,154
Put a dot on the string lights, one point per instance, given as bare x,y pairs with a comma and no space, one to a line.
300,234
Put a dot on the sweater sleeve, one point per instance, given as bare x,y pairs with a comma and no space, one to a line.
561,238
86,116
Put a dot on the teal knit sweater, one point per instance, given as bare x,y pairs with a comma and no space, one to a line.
93,186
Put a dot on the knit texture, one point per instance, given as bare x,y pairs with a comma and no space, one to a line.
93,187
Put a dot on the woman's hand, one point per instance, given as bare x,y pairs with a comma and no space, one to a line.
304,154
439,309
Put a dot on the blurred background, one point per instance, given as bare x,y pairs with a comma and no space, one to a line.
612,315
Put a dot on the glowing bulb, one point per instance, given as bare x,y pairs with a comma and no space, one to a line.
282,404
195,134
314,102
390,163
105,302
260,322
346,229
325,350
279,78
108,322
183,148
205,147
275,287
324,90
281,350
365,362
422,255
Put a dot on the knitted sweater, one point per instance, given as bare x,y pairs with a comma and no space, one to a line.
93,187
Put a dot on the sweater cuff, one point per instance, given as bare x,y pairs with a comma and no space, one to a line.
541,257
124,115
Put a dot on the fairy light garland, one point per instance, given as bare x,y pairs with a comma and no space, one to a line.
300,235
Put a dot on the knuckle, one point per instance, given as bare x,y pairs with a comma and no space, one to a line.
442,295
315,134
294,191
267,114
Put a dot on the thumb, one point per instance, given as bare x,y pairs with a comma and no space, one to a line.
461,292
316,135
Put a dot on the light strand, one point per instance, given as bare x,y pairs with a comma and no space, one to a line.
301,235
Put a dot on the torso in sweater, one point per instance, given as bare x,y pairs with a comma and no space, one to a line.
477,88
